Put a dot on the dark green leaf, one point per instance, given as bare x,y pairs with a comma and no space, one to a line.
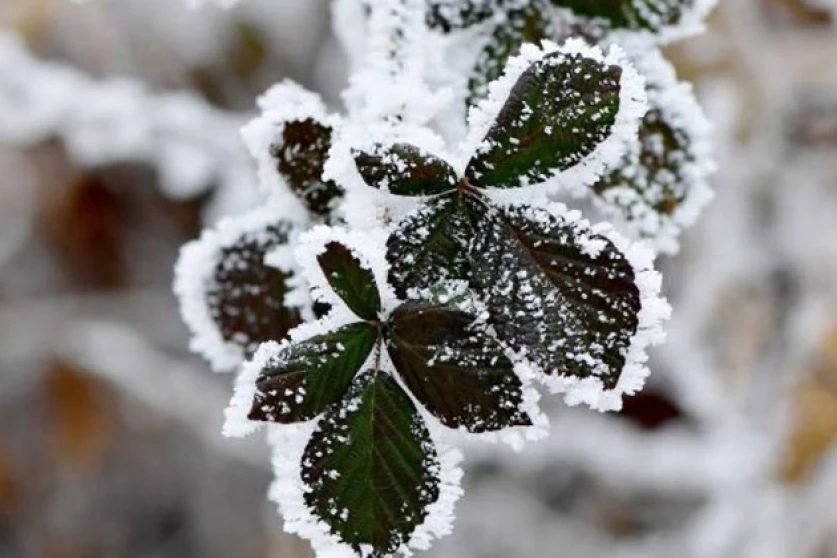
636,15
405,170
457,371
371,467
300,382
448,15
246,297
564,295
531,24
354,283
429,245
300,157
557,114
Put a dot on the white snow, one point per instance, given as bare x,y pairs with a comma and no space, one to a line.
117,119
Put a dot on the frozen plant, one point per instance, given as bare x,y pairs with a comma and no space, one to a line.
412,276
662,183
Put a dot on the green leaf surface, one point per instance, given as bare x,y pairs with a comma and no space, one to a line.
430,245
635,15
300,157
559,111
371,467
354,283
531,24
405,170
306,377
565,296
246,297
457,371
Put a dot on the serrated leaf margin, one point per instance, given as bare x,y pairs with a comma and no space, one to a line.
367,246
282,103
676,102
288,444
196,266
654,312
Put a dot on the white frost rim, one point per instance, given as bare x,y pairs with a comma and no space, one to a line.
236,424
282,103
654,312
193,276
678,105
288,491
369,247
608,154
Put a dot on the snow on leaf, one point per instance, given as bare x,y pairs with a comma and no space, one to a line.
230,297
290,142
429,245
304,378
577,176
653,170
456,370
300,157
662,184
353,282
563,297
557,114
371,468
405,170
528,24
247,297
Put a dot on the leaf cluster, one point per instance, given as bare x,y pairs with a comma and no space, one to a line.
658,173
371,466
488,292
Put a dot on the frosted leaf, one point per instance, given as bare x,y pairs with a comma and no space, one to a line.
454,368
230,297
289,491
557,114
290,141
353,282
529,24
371,468
246,296
303,378
663,181
653,170
364,265
300,157
429,245
558,294
405,170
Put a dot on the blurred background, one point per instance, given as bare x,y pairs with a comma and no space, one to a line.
118,143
